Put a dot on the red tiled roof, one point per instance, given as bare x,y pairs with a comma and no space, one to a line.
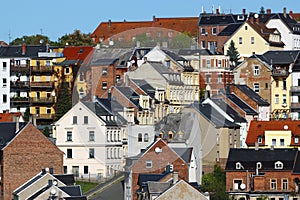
9,117
77,52
184,24
258,128
296,16
2,43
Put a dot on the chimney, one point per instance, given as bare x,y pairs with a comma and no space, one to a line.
109,95
109,23
50,182
269,11
175,177
257,20
256,146
284,12
217,11
17,123
153,18
244,11
51,170
251,20
23,49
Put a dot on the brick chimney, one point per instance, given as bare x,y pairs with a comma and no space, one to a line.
269,11
244,11
23,49
217,11
284,12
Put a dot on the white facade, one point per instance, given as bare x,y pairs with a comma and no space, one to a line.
291,41
4,85
139,137
295,96
92,148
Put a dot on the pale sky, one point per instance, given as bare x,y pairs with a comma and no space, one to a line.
55,18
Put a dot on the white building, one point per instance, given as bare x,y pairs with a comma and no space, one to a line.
4,85
91,139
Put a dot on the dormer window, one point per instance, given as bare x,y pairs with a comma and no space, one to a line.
278,165
238,165
296,140
259,140
258,165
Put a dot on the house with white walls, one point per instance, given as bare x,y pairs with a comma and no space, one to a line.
92,139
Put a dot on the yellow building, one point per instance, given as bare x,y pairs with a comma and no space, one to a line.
253,37
44,82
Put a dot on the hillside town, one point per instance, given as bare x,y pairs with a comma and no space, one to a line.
156,106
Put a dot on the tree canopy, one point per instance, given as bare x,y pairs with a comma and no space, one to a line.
233,53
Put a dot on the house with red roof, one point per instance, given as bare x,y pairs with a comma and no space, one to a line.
274,134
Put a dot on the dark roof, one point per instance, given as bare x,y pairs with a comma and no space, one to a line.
104,61
279,57
184,153
144,178
76,198
212,115
241,104
157,187
230,111
267,157
73,190
145,86
8,132
253,95
159,67
67,63
16,51
173,55
67,179
188,52
128,92
222,19
230,29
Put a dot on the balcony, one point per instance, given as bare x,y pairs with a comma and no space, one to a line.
19,84
42,69
42,85
19,100
295,89
45,116
42,100
295,106
20,68
280,73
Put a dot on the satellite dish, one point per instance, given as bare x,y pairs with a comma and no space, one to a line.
285,127
53,191
158,150
243,186
255,15
55,182
41,41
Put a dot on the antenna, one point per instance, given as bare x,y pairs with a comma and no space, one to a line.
9,36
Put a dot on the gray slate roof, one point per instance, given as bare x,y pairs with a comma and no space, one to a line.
253,95
279,57
222,19
230,29
16,51
241,104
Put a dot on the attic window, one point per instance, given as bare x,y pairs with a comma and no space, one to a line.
296,140
258,165
278,165
80,51
238,165
259,140
240,17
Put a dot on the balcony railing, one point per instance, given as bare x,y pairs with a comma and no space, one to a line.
280,72
295,88
19,100
25,68
19,84
45,116
295,105
42,100
42,69
47,84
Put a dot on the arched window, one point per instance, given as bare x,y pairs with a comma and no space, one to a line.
140,137
146,137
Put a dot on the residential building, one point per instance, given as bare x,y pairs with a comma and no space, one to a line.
47,185
255,173
273,134
211,24
295,90
108,29
23,157
255,101
253,37
91,138
256,74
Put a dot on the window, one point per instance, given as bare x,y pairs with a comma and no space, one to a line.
266,85
107,153
284,184
281,142
4,66
296,140
170,34
283,99
240,40
274,142
146,137
252,40
214,30
237,184
278,165
4,98
104,85
48,110
69,153
92,135
256,87
203,31
277,83
273,184
256,70
168,63
85,119
67,70
207,78
91,153
118,78
220,78
69,135
85,169
219,63
246,27
276,98
4,82
148,163
47,63
259,140
203,46
284,84
81,77
104,71
74,119
140,137
65,169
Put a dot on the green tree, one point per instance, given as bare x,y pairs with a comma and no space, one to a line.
31,40
215,184
64,101
46,131
262,10
76,39
233,53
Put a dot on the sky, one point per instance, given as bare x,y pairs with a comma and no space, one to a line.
55,18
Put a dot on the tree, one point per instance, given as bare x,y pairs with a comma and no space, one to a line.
215,184
64,101
76,39
233,53
31,40
262,10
